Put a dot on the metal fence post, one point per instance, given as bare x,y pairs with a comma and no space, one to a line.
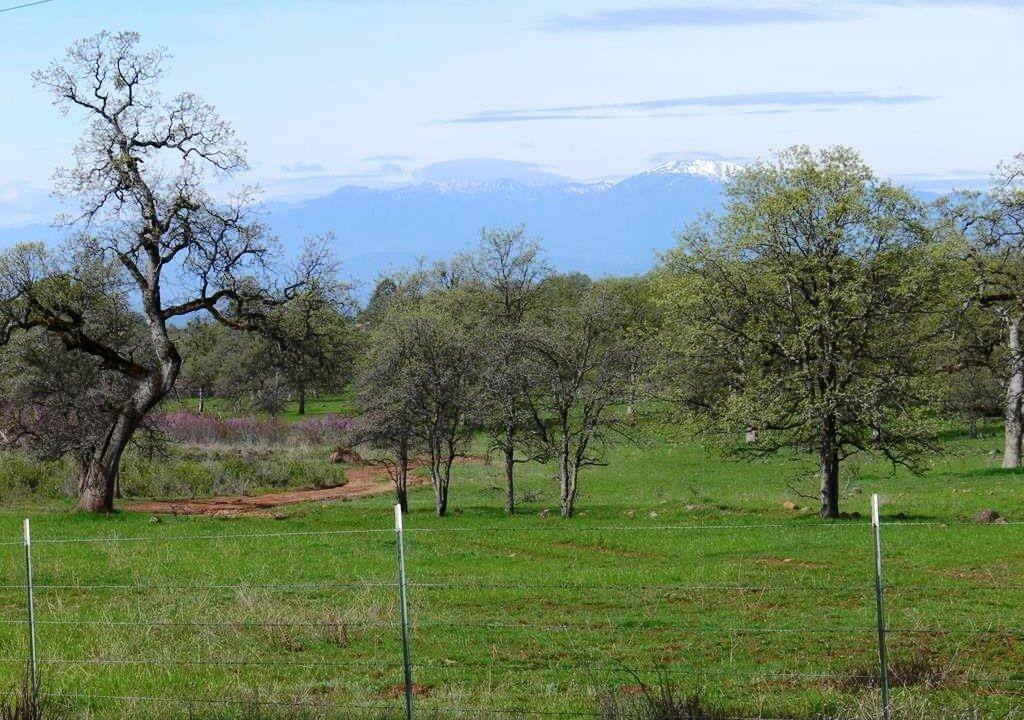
403,597
31,609
880,608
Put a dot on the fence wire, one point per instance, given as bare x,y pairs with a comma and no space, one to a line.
577,660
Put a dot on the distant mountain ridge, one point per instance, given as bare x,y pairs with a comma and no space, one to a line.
599,228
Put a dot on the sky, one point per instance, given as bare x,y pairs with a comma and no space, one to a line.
382,92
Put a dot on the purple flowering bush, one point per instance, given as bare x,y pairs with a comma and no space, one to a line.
322,429
191,428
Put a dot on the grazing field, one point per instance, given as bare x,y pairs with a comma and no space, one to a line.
678,564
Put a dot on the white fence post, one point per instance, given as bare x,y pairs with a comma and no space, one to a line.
403,597
880,608
31,609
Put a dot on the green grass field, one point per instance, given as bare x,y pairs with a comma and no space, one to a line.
344,404
679,563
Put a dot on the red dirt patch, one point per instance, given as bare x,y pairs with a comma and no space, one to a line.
397,691
360,481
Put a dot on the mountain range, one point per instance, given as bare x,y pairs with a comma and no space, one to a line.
600,228
603,228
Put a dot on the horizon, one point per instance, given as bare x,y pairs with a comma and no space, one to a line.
385,94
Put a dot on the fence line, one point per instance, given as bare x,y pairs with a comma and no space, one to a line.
567,587
554,526
506,666
482,711
547,627
494,664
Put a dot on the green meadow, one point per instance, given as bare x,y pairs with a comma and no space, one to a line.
680,567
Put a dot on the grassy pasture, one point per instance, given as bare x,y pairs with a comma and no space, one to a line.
678,562
344,404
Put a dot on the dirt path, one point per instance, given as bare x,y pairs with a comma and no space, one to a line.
361,481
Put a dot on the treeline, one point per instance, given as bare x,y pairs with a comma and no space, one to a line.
493,340
824,312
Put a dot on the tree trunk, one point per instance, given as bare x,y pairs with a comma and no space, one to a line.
438,480
830,487
631,397
98,484
510,469
96,488
829,470
440,494
1014,392
567,480
302,400
202,400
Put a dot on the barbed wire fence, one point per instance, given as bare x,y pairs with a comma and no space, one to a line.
401,622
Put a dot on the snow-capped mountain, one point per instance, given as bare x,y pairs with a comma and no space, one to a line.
599,228
716,170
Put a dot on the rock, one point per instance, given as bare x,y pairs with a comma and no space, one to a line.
345,455
988,515
790,505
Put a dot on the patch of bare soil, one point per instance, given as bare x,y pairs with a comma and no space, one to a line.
360,481
397,691
789,562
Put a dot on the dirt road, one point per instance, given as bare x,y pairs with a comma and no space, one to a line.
361,481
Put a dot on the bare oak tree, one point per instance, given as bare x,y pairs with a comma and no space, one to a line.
508,269
578,369
420,379
137,179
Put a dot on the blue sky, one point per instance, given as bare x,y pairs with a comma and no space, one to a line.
381,92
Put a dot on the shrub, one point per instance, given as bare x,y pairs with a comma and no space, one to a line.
21,476
25,703
226,470
323,429
186,427
661,703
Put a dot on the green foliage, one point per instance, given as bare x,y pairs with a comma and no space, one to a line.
212,471
805,316
24,480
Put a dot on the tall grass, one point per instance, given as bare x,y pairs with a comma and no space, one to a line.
26,703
